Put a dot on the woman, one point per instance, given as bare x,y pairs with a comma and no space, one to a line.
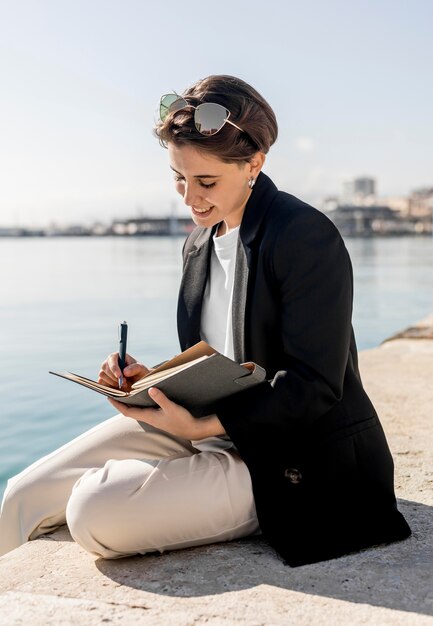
301,457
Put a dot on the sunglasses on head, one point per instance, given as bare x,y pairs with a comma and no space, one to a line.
209,117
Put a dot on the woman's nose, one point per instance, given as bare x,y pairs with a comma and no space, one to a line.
191,195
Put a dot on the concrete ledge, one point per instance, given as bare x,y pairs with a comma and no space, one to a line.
52,581
421,330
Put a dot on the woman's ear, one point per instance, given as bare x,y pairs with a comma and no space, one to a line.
256,163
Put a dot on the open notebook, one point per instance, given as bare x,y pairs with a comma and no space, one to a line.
196,379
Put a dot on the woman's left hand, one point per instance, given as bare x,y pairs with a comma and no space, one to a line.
172,418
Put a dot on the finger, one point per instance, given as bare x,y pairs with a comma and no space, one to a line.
150,416
135,369
130,359
113,365
161,399
106,374
106,369
103,379
122,408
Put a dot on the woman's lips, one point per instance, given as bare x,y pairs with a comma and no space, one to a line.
201,212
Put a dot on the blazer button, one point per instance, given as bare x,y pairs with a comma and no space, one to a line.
293,475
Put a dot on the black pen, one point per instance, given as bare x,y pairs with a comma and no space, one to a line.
123,333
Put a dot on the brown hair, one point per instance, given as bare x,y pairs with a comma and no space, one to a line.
249,110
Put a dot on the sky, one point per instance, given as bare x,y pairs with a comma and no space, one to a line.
80,81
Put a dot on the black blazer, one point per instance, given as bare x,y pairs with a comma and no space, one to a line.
321,468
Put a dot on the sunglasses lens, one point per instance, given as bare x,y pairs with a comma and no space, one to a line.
210,118
169,103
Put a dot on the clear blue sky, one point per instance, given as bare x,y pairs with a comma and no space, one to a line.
80,80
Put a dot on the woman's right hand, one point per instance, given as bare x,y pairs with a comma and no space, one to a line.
110,372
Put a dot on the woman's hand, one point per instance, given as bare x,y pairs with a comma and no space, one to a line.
110,372
172,418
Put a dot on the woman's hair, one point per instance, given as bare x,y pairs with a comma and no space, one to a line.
248,110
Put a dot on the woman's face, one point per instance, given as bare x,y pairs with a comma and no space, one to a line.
213,190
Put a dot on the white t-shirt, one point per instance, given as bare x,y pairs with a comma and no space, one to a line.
216,316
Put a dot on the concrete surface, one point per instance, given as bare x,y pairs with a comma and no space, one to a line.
52,581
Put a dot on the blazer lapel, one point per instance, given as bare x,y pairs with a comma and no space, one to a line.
192,288
258,203
239,300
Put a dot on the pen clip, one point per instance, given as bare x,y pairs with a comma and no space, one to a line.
122,329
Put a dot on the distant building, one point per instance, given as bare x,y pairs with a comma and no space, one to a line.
73,230
18,231
156,226
400,204
368,221
359,191
360,213
421,203
330,203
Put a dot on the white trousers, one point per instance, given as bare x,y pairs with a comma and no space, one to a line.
125,488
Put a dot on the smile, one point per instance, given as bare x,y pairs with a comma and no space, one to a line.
201,211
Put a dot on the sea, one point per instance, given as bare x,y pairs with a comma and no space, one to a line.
62,299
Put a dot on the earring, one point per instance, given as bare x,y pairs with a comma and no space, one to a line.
251,182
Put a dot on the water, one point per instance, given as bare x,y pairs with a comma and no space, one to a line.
61,301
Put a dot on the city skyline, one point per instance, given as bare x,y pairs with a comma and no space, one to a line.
399,204
350,86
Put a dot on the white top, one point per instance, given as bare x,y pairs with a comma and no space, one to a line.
216,316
